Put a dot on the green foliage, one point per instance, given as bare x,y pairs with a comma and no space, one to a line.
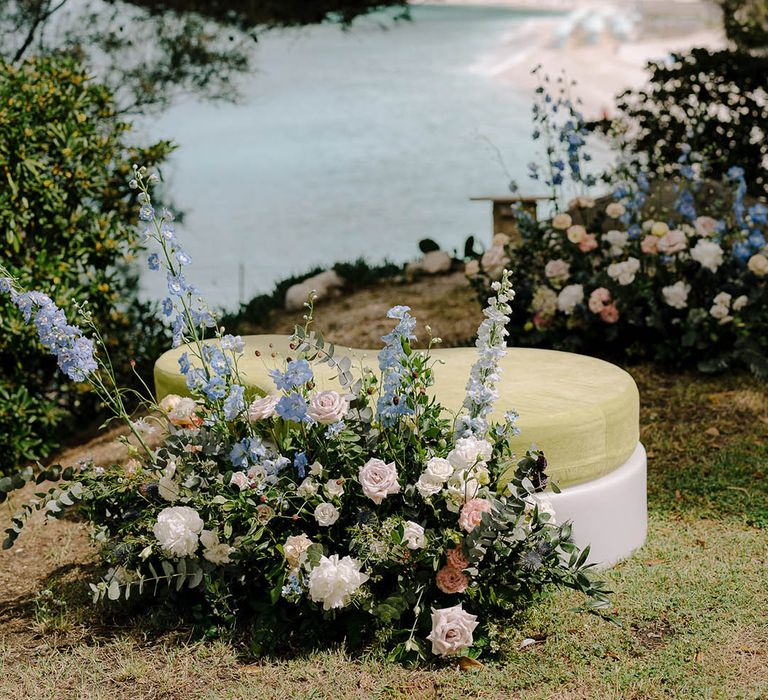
713,101
64,202
746,23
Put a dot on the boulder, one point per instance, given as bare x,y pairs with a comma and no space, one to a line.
323,283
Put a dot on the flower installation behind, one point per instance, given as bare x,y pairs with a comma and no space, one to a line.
673,266
367,514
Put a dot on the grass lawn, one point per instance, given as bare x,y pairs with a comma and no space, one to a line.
692,603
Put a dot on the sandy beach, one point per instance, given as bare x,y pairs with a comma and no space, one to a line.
604,61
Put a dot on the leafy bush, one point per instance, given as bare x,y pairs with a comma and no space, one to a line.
63,206
712,101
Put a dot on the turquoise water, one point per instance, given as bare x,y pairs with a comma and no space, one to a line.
346,144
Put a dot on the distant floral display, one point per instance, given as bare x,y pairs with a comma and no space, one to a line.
671,266
363,513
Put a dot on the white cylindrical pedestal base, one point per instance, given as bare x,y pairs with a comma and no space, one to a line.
610,513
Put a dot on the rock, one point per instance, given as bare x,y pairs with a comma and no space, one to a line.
436,262
323,283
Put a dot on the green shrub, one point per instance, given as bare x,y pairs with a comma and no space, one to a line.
65,162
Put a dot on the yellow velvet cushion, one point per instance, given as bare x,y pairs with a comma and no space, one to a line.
582,412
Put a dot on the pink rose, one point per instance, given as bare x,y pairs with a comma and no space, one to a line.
328,407
649,244
705,225
557,270
598,299
495,261
609,313
588,243
378,479
576,233
472,513
456,559
262,408
672,242
450,580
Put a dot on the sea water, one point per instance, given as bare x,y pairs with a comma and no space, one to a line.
346,144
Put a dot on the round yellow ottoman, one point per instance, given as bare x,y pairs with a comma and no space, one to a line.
581,411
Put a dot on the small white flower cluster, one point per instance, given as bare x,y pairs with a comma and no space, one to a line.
462,474
722,305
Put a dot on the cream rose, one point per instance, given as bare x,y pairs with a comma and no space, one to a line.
333,581
676,295
494,261
326,514
708,254
413,535
705,225
328,407
557,270
334,488
177,530
659,229
262,408
617,240
439,468
576,233
615,210
758,265
672,242
624,272
428,485
561,221
452,630
378,479
295,549
740,302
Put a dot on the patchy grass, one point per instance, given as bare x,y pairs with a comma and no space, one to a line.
691,603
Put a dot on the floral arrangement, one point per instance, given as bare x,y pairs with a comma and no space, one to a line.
672,265
366,513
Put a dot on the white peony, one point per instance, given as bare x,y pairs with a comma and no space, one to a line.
617,240
214,551
495,261
469,451
569,297
624,272
439,468
326,514
378,479
708,253
177,530
333,581
328,407
413,535
262,408
428,485
676,295
241,480
295,549
452,630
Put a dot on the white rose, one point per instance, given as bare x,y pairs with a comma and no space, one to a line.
378,479
214,551
439,468
557,270
469,451
722,299
719,312
333,581
328,407
672,242
758,265
452,630
561,221
241,480
617,240
708,254
413,535
740,302
676,295
615,210
295,549
569,297
624,272
316,469
705,225
177,530
428,485
495,261
307,488
334,488
326,514
262,408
